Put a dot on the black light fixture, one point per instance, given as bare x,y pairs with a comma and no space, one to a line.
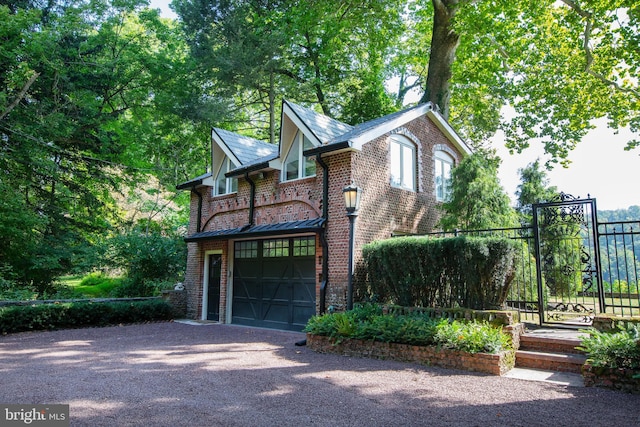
352,198
352,195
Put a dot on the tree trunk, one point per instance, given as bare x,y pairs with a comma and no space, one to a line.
444,42
272,108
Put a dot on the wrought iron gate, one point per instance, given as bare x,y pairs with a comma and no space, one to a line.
567,258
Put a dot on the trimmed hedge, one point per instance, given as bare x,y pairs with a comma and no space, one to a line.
469,272
80,314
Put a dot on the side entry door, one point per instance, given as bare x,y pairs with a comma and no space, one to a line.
213,303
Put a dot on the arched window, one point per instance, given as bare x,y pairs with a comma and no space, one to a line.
444,163
402,154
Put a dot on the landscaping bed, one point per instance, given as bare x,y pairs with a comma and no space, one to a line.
494,364
417,335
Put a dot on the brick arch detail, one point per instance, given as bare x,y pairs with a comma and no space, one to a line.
448,150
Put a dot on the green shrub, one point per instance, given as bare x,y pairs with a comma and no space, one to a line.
132,287
81,314
368,323
147,256
468,272
619,349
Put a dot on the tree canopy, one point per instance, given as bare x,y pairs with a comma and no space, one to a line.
558,64
105,105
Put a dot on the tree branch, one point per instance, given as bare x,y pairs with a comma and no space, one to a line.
588,17
21,95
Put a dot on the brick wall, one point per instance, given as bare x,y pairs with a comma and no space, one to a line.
384,210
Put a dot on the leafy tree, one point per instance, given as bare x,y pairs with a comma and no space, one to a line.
330,54
477,201
559,65
91,102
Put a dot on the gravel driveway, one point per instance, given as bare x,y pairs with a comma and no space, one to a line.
175,374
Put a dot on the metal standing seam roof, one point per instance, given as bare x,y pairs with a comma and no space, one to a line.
292,227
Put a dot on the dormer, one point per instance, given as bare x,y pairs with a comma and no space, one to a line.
231,151
303,129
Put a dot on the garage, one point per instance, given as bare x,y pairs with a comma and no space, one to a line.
274,282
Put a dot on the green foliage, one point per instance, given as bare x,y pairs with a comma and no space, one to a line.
92,103
449,272
533,188
366,322
619,349
97,285
130,288
330,54
471,337
74,315
477,201
148,256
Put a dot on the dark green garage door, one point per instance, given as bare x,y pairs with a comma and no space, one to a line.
274,283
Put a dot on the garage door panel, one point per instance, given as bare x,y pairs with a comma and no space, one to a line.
304,292
276,311
274,288
301,314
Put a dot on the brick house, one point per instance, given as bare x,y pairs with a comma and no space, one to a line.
268,235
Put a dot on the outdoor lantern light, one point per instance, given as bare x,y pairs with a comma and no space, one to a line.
351,198
352,203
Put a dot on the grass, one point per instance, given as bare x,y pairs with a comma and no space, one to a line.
92,285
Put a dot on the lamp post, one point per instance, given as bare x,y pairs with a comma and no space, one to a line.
352,203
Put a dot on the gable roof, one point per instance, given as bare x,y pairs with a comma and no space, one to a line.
324,128
332,135
244,148
360,134
195,182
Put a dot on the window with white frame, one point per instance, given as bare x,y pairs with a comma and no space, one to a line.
225,185
297,166
403,162
444,165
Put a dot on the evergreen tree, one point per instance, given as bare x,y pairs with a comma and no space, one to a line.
477,201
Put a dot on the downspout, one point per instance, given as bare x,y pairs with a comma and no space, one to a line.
199,221
323,233
251,200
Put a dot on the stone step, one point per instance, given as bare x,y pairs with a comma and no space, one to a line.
559,362
533,342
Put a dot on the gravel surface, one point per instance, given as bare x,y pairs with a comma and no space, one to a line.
175,374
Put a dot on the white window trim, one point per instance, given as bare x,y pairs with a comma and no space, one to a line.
299,135
228,181
440,158
403,141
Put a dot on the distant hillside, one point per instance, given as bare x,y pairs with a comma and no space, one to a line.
632,213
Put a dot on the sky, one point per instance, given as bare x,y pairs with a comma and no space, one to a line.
600,168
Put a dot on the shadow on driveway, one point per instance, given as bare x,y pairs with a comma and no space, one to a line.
173,374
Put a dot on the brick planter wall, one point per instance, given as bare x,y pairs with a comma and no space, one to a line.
495,364
177,300
612,378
